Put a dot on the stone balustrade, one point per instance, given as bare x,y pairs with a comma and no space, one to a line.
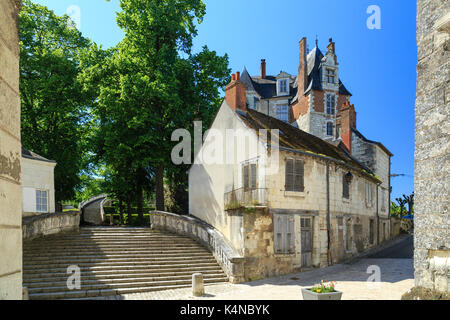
51,223
229,259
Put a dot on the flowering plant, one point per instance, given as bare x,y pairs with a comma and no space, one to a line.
324,287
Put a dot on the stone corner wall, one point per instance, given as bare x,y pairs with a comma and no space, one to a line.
432,230
230,260
10,155
51,223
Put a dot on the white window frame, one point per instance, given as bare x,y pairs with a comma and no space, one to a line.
369,196
333,109
281,111
39,203
283,84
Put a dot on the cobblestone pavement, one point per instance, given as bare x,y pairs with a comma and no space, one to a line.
397,277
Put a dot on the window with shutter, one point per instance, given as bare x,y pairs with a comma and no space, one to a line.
345,188
250,176
289,175
294,175
284,241
253,175
246,175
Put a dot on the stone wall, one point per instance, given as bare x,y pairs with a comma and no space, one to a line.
432,154
230,260
10,155
51,223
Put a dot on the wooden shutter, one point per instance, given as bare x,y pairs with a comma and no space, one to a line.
254,176
345,188
299,176
290,235
289,186
246,177
278,237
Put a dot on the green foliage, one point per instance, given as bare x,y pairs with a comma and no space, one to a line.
54,114
145,88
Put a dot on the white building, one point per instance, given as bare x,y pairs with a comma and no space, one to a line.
38,186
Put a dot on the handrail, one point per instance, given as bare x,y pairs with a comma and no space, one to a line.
226,255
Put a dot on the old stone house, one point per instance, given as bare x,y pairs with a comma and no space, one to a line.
38,185
313,193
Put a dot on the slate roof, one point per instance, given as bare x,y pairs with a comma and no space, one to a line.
314,63
267,88
34,156
360,135
295,139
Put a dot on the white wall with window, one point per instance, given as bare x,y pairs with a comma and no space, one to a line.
38,188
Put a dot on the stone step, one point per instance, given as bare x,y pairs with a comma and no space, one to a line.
55,277
124,247
124,242
98,255
136,264
115,261
92,294
109,253
104,281
128,269
125,285
128,260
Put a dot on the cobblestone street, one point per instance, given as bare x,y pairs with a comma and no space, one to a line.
397,277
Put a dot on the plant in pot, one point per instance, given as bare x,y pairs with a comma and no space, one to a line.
323,291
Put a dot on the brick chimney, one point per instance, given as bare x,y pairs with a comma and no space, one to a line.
347,116
235,93
263,68
302,68
331,46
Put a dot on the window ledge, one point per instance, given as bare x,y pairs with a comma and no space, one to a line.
296,194
346,200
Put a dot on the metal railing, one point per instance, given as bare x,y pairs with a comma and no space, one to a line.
245,197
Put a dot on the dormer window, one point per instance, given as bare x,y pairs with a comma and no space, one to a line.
330,75
283,86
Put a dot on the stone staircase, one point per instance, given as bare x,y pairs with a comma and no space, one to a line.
114,261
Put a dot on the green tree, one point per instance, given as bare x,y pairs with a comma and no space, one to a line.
54,113
146,87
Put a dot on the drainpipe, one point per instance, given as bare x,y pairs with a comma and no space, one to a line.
378,218
328,216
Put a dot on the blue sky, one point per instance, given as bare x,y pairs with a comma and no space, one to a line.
377,66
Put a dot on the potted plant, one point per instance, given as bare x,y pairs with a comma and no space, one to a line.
323,291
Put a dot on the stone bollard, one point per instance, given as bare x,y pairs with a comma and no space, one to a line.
25,295
198,289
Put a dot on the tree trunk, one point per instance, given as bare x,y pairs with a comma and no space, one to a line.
160,188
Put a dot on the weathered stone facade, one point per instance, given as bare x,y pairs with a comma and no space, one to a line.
432,169
10,154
